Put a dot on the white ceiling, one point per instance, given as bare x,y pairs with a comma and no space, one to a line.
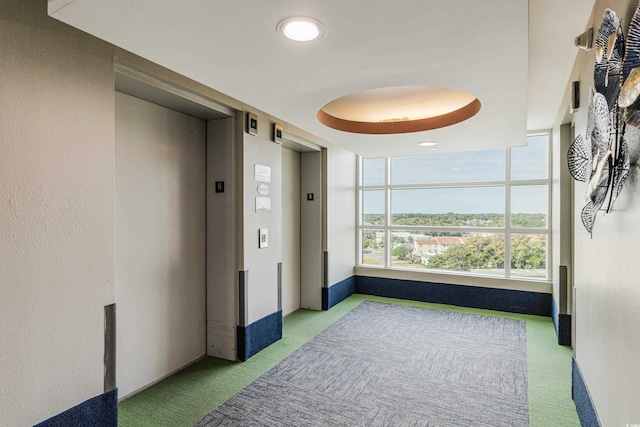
514,56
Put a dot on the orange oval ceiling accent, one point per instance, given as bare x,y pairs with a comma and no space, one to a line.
400,109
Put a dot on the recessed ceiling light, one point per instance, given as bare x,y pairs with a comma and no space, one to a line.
427,143
300,29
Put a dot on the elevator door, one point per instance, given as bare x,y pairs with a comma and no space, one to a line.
290,231
160,233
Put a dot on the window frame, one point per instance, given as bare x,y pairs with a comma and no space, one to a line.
508,230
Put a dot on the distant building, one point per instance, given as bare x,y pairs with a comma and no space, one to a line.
425,248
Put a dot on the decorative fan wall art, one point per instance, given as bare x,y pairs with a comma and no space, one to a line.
629,99
607,73
630,90
601,157
621,169
580,159
600,131
588,216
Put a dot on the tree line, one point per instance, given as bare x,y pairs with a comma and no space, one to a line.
450,219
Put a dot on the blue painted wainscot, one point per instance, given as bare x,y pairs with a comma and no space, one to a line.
98,411
580,395
513,301
562,324
259,335
338,292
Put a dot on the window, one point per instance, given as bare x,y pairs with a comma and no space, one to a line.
468,166
476,212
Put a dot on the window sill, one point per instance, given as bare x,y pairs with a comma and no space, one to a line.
454,278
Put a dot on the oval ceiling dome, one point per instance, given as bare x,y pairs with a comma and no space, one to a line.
399,109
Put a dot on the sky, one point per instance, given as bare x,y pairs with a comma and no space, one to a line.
471,166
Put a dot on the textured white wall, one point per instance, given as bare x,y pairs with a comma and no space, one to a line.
561,213
57,181
160,241
56,212
290,231
341,213
262,263
606,274
222,227
311,231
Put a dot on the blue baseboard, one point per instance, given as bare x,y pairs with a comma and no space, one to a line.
259,335
98,411
562,324
580,394
512,301
338,292
564,329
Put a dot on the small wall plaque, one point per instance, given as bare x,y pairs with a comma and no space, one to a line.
263,204
277,133
262,173
575,95
263,236
252,124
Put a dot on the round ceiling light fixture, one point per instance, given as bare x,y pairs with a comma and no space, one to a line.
399,109
301,29
427,143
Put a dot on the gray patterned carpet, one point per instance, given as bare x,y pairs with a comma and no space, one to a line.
392,365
